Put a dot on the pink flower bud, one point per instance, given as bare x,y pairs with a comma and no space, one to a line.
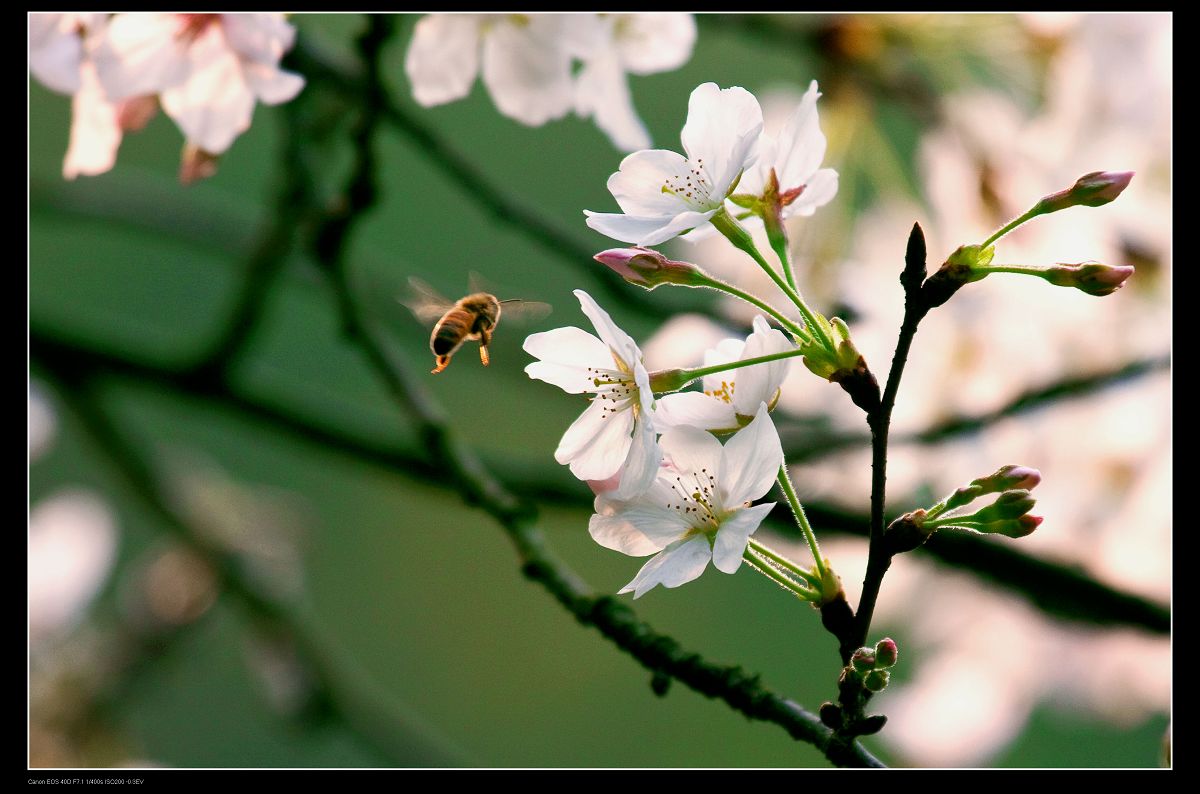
1090,190
648,268
1017,528
1007,478
886,652
1015,477
1090,277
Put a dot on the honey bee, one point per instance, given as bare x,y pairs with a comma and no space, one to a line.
472,318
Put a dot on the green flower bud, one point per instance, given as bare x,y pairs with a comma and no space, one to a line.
876,680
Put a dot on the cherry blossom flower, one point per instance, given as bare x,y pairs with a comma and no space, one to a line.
628,43
731,398
698,508
616,434
58,58
207,69
524,59
795,155
663,194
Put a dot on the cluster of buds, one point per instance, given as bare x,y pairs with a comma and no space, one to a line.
973,262
870,665
1008,515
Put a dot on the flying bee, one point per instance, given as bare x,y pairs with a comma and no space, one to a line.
473,318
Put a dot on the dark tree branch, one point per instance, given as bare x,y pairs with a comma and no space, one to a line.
459,465
363,712
1058,589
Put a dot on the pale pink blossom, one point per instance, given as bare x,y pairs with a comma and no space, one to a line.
663,194
208,70
698,508
616,434
523,57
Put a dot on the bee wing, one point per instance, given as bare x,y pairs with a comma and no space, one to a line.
426,304
523,312
477,283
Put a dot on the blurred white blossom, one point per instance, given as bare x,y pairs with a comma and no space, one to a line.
72,546
627,43
526,63
208,70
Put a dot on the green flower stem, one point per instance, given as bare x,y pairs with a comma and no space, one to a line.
777,234
741,239
798,332
1028,270
763,551
692,374
785,484
794,587
1033,212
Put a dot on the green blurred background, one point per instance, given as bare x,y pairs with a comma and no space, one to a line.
419,597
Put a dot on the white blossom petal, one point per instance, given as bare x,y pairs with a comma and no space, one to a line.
758,383
443,57
527,73
569,346
602,92
638,529
637,184
642,463
696,409
657,42
751,460
55,51
95,129
679,563
645,231
270,84
618,341
596,444
734,534
819,191
722,131
215,105
802,144
258,38
691,451
141,53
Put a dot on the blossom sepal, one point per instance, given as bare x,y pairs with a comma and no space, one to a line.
966,264
647,268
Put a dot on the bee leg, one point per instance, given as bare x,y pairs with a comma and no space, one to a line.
442,363
485,338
